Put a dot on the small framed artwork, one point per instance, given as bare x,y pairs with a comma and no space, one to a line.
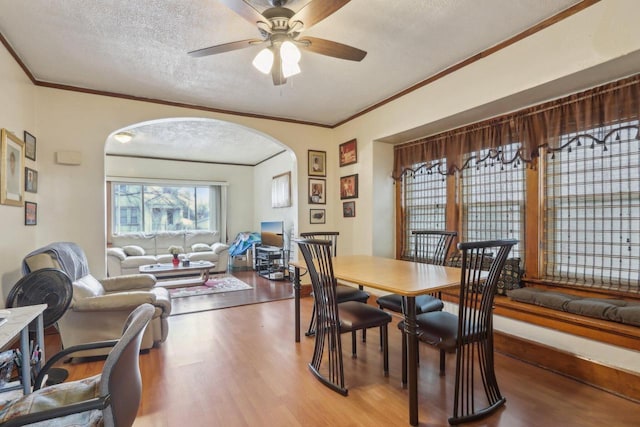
349,153
316,216
317,191
281,190
30,180
349,209
349,187
30,146
30,213
317,163
11,167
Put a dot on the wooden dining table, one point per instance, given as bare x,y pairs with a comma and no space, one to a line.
405,278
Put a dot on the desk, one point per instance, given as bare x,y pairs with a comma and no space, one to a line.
405,278
18,320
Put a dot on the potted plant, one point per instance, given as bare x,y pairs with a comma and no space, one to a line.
175,251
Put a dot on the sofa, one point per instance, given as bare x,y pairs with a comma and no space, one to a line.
129,251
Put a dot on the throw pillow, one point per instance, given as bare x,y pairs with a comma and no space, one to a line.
511,276
200,247
133,250
87,286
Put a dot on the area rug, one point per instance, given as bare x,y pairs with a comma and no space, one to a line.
215,285
196,299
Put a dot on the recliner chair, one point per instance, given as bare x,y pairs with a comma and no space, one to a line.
99,308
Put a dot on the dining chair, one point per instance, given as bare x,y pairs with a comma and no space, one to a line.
111,398
469,333
333,318
344,292
430,247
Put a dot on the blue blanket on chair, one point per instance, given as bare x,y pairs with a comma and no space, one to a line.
70,256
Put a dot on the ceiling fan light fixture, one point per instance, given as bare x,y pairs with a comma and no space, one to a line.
290,53
263,61
123,137
290,69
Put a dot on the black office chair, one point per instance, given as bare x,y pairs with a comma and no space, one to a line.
111,398
469,333
431,247
344,292
333,319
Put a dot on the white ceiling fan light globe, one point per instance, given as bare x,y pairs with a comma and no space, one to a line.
290,69
263,61
289,52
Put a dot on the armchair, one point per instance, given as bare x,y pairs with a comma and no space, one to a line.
99,308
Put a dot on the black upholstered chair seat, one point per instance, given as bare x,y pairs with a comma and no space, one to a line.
349,293
355,315
424,303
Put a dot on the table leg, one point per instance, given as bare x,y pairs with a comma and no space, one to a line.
296,293
412,359
40,341
204,275
26,360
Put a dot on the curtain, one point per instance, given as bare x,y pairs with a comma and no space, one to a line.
535,127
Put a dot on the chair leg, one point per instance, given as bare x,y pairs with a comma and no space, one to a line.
364,335
442,362
312,323
384,332
354,348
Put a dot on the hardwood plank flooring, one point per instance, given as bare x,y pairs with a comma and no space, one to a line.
241,367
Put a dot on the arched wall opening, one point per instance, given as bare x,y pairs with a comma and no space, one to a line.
200,150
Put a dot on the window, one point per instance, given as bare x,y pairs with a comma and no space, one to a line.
493,196
146,207
424,198
592,209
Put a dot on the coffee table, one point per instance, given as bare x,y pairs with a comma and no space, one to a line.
169,270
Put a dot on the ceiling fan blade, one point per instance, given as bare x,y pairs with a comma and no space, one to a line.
316,10
247,11
276,71
226,47
335,49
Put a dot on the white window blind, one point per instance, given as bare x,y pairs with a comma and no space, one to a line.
592,209
424,199
493,197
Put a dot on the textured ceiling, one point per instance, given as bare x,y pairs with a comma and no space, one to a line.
139,48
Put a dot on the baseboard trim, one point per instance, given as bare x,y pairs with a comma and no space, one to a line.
617,381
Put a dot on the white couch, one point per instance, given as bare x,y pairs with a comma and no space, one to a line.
131,250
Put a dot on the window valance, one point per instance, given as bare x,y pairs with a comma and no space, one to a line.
544,125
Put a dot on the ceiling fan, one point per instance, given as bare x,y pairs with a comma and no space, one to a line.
280,28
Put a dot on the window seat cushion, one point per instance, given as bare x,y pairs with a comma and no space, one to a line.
615,310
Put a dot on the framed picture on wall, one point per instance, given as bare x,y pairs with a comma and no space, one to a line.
30,146
317,216
349,209
349,187
30,180
281,190
317,191
30,213
348,153
11,185
317,163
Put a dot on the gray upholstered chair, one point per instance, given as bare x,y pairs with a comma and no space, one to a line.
469,333
99,308
111,398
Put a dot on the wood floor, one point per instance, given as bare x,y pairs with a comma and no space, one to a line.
240,366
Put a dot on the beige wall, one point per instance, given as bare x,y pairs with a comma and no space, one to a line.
593,46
